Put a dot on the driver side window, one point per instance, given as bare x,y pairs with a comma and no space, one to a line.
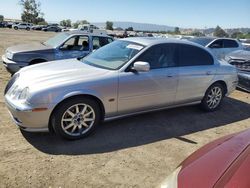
160,56
217,44
79,43
69,44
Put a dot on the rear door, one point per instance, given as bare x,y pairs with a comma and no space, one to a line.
196,71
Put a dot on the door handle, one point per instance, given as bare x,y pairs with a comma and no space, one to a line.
170,75
209,73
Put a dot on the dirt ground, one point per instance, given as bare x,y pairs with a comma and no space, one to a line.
132,152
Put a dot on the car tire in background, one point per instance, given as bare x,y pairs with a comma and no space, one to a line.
213,97
76,117
27,28
16,28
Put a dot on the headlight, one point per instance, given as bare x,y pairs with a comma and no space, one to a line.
9,55
172,180
227,59
19,94
24,94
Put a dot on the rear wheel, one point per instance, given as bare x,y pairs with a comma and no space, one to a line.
16,28
213,97
27,28
76,118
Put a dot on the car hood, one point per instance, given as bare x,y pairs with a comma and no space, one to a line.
28,48
222,163
240,54
57,73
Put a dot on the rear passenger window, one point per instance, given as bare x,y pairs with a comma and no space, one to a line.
230,44
193,56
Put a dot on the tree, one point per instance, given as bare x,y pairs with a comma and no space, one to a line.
42,23
197,34
66,23
81,22
1,18
237,35
109,25
130,29
219,32
177,30
31,11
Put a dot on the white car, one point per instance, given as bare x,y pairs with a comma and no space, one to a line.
220,47
26,26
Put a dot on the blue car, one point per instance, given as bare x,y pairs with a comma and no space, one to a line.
67,45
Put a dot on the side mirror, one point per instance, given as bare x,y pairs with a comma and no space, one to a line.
141,66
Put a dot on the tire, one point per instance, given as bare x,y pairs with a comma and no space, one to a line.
16,28
213,97
72,125
27,28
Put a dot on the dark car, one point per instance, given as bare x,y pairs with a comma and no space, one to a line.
65,45
52,28
222,163
38,27
241,59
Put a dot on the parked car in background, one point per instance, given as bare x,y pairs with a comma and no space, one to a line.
62,46
3,24
52,28
26,26
123,78
220,47
241,59
222,163
38,27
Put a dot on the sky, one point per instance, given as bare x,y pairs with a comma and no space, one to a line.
181,13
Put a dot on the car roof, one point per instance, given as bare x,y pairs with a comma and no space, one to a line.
213,38
149,41
79,32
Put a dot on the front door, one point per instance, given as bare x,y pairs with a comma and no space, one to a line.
140,91
76,46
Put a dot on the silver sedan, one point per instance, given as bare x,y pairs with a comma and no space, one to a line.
126,77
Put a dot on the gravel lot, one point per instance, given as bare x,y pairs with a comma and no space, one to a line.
132,152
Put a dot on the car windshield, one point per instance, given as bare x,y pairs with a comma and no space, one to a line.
202,41
114,55
56,40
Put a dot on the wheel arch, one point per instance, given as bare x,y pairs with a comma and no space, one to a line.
223,83
69,97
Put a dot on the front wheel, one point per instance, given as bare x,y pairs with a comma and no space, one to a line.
76,118
213,97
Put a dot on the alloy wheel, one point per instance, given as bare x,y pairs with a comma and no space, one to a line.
214,97
78,119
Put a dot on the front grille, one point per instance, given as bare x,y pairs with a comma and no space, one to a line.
244,82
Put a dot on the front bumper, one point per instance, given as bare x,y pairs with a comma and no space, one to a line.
244,81
11,66
27,119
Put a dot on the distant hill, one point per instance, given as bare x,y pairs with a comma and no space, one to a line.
137,26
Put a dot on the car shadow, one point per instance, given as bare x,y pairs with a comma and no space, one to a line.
143,129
